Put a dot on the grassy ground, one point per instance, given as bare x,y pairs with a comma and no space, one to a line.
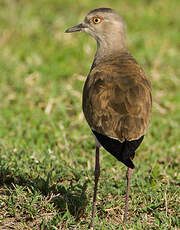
46,147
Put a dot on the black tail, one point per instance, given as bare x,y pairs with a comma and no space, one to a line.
123,152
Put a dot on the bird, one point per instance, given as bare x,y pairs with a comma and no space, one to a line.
117,97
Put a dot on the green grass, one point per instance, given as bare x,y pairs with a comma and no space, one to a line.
46,147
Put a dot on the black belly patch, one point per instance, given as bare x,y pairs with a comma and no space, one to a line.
123,152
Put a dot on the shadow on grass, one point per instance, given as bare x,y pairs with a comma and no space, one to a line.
72,197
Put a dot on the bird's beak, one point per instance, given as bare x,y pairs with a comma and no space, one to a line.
75,28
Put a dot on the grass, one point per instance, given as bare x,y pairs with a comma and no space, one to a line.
46,147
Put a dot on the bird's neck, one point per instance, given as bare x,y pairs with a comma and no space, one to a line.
111,47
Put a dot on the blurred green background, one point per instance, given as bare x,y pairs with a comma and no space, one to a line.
46,147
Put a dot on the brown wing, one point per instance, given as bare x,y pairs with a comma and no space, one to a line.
117,99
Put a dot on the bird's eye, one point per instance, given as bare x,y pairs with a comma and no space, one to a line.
97,20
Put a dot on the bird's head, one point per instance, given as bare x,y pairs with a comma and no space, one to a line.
104,24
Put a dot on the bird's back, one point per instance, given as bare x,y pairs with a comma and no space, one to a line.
117,98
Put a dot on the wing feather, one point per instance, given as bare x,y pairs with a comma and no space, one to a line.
117,99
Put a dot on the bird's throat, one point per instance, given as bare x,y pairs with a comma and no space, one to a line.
109,47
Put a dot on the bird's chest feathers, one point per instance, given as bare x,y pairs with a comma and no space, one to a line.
97,89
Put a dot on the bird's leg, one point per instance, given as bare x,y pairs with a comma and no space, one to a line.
128,177
96,177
